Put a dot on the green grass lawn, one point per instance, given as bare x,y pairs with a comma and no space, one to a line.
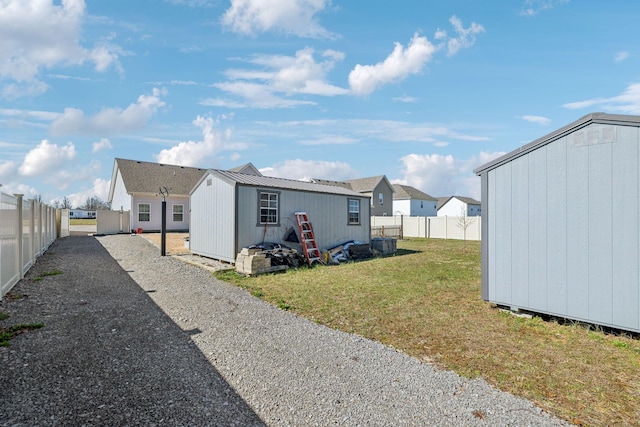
425,301
82,221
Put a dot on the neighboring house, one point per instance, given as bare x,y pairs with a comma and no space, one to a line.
230,211
377,188
408,200
455,205
82,214
135,187
561,223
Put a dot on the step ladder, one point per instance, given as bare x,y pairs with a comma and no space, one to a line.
308,239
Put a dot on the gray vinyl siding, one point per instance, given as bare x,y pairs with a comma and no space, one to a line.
213,211
563,226
327,213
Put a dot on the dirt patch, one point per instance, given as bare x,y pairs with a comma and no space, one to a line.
174,241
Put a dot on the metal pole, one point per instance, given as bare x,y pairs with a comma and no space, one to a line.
163,235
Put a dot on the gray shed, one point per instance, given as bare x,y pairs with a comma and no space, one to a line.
561,222
231,210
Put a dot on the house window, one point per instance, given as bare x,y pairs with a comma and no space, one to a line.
144,212
354,211
177,213
269,207
381,198
421,204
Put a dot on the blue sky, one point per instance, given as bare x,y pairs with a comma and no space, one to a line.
420,91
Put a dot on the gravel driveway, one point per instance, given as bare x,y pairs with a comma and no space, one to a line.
132,338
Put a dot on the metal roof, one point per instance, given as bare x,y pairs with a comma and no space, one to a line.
281,183
599,118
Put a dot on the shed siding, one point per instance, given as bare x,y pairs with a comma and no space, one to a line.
625,208
564,226
556,226
327,213
212,228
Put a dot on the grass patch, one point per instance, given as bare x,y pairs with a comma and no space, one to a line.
7,333
426,302
4,315
82,221
50,273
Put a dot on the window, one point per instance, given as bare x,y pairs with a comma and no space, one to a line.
354,211
177,213
381,198
268,205
144,212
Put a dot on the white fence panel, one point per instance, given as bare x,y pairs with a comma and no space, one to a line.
113,222
435,227
27,228
62,218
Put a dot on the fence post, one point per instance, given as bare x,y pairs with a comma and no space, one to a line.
20,249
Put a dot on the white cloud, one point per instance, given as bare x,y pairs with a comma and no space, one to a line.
194,153
537,119
46,159
8,172
99,189
466,37
628,102
621,56
364,79
103,144
329,140
280,75
110,120
40,34
533,7
443,175
405,99
299,169
293,17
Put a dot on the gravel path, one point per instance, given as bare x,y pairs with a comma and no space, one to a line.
254,360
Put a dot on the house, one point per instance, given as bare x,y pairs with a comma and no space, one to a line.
82,214
231,210
135,187
377,188
561,223
408,200
456,205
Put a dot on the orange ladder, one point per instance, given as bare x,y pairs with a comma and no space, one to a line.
308,239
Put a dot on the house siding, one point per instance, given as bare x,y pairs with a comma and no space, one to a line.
563,226
386,208
155,216
121,200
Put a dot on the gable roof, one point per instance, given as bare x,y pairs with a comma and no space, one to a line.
280,183
247,168
597,118
148,177
468,200
408,192
361,185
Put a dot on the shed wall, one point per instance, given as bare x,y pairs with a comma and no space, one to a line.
213,213
327,213
563,228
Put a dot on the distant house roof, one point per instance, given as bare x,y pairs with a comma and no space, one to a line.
468,200
247,168
403,192
282,183
361,185
148,177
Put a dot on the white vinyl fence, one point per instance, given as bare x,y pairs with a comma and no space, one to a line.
113,222
435,227
27,228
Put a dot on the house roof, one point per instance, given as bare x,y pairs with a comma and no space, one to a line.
408,192
593,118
361,185
280,183
247,168
468,200
148,177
